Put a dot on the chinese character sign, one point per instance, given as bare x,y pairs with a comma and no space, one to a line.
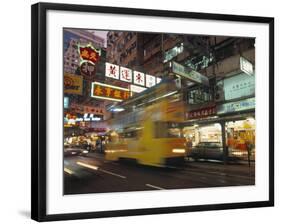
126,74
203,112
150,81
139,78
111,70
89,53
109,92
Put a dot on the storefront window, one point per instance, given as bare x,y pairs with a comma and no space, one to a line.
241,134
167,130
206,133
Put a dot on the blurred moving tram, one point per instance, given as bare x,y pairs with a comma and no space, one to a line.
148,131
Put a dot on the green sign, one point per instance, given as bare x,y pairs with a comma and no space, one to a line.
188,73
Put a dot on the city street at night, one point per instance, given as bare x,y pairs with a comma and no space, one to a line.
147,111
94,174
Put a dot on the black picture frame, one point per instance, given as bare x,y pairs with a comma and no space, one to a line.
39,108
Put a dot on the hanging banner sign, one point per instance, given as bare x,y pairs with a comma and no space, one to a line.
126,74
188,73
109,92
111,70
73,84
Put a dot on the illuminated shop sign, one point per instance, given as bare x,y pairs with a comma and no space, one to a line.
136,89
239,86
126,74
200,113
188,73
73,84
237,106
111,70
139,78
65,102
89,54
109,92
158,80
150,81
246,66
81,109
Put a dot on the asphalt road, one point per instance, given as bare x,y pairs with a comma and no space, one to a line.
93,174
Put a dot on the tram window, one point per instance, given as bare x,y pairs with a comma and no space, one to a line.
167,130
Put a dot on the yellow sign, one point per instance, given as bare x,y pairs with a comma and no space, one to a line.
108,92
73,84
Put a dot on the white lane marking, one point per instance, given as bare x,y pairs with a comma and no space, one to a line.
114,174
68,171
87,165
101,170
156,187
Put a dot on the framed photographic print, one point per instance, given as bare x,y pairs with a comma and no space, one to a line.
139,111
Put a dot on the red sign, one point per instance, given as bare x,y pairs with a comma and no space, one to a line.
200,113
108,92
89,54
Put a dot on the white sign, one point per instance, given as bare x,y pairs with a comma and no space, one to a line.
246,66
239,86
139,78
111,70
126,74
150,80
137,89
158,80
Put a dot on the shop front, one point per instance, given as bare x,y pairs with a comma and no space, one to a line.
231,126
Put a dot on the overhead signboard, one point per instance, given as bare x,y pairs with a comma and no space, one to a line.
139,78
73,84
190,74
126,74
239,86
246,66
111,70
150,81
158,80
89,53
237,106
109,92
